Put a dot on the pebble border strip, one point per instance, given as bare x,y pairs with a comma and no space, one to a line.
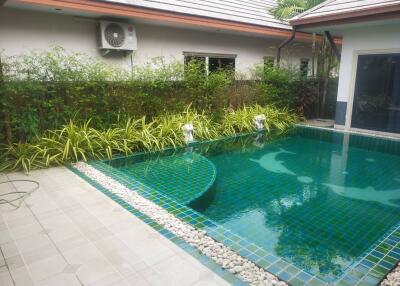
393,278
218,252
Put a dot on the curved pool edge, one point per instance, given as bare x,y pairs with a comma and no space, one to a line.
111,186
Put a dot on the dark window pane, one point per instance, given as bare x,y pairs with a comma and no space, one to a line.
304,67
221,64
376,103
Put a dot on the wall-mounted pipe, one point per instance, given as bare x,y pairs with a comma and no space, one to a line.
333,45
281,46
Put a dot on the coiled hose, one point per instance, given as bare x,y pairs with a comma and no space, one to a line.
20,195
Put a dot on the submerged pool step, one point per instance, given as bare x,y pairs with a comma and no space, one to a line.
182,177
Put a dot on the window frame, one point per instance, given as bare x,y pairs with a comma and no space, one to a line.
207,56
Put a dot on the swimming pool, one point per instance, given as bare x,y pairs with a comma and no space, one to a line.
310,205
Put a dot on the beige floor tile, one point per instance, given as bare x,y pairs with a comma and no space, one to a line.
137,280
149,249
2,261
109,280
178,269
39,254
210,283
6,187
95,270
68,233
156,279
122,283
5,278
15,261
71,242
62,279
27,230
98,234
126,263
82,254
5,236
21,277
9,249
46,268
33,242
15,214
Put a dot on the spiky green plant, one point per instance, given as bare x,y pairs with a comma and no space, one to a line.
76,142
22,156
242,120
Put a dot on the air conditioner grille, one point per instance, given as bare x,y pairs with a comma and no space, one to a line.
114,35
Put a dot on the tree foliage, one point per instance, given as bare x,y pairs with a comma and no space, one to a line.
286,9
42,91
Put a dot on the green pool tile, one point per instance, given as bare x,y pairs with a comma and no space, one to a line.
373,258
292,270
296,282
263,263
322,220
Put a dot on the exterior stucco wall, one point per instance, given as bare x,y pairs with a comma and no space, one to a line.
22,31
370,39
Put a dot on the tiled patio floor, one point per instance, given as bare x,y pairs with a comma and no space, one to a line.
68,233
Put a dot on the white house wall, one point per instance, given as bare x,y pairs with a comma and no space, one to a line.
378,39
22,31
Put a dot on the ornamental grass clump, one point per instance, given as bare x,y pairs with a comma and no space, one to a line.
75,142
242,120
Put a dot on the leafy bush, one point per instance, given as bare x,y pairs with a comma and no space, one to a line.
285,87
42,90
74,142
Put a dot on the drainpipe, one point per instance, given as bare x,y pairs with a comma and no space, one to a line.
284,43
333,45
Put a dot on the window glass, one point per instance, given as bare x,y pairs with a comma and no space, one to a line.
304,67
376,104
221,64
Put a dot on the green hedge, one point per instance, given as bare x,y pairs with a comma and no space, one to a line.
43,90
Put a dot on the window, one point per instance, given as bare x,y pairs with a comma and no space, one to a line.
199,60
304,67
269,62
212,62
221,64
376,104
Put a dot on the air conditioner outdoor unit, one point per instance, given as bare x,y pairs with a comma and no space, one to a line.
115,36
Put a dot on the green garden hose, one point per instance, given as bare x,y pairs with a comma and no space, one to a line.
20,195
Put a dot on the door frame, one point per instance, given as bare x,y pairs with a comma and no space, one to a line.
350,102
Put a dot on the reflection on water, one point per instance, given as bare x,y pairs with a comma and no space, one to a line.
319,201
316,203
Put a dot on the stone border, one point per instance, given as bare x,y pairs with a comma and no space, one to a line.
393,278
218,252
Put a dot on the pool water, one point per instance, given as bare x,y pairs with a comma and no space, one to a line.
316,199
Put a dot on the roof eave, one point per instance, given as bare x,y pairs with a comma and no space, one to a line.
363,15
120,10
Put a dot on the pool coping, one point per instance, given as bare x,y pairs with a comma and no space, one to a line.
370,269
161,220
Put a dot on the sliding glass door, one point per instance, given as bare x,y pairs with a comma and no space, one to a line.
377,93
